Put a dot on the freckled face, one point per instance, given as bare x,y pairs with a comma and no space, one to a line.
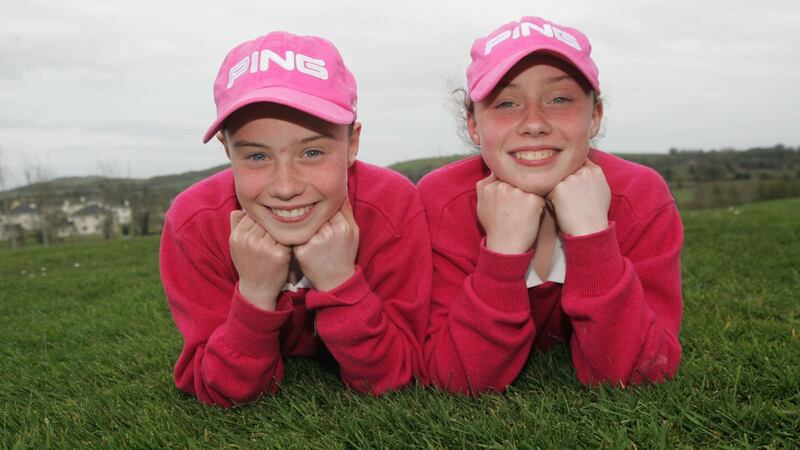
290,168
535,128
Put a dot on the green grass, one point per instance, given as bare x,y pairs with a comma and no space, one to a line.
87,354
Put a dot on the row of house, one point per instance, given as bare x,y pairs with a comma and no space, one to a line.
82,218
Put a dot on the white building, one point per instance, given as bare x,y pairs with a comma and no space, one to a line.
68,208
25,215
89,220
4,234
81,218
64,228
9,231
123,214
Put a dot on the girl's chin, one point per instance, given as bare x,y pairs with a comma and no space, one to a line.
539,192
285,235
290,241
540,189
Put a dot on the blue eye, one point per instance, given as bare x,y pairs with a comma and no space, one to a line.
505,105
560,100
257,157
312,153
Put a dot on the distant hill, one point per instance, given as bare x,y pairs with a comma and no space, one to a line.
698,178
415,169
181,181
93,186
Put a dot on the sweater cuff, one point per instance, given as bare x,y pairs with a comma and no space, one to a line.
499,279
350,292
251,328
594,261
501,266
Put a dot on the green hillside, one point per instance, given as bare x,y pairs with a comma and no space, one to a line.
95,185
415,169
699,179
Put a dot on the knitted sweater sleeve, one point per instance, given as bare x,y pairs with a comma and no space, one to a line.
625,309
373,323
231,348
480,330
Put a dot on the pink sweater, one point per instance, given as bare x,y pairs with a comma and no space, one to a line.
619,306
373,324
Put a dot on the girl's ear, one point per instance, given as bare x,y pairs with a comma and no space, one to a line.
472,129
597,118
352,148
224,142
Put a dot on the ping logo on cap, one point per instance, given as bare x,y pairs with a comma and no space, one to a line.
524,30
260,62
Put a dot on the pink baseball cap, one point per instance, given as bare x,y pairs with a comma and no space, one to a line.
302,72
497,53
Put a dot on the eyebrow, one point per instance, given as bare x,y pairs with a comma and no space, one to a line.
305,140
238,144
317,136
558,78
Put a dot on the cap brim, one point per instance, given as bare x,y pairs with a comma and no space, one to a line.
490,80
311,104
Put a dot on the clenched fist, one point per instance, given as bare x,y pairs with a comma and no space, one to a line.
581,201
509,215
262,263
328,259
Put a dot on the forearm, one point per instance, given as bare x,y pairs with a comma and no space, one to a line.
481,330
373,339
623,322
238,361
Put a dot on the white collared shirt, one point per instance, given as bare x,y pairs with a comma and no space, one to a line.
558,268
304,283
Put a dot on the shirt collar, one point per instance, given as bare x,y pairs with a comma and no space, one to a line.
558,267
304,283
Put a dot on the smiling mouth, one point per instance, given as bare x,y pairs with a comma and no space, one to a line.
534,155
292,215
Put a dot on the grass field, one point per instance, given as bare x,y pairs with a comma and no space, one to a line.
88,346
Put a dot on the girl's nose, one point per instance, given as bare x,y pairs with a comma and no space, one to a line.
286,183
533,122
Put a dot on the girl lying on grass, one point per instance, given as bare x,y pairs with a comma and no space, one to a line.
298,249
542,239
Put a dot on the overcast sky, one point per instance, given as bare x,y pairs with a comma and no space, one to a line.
127,85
